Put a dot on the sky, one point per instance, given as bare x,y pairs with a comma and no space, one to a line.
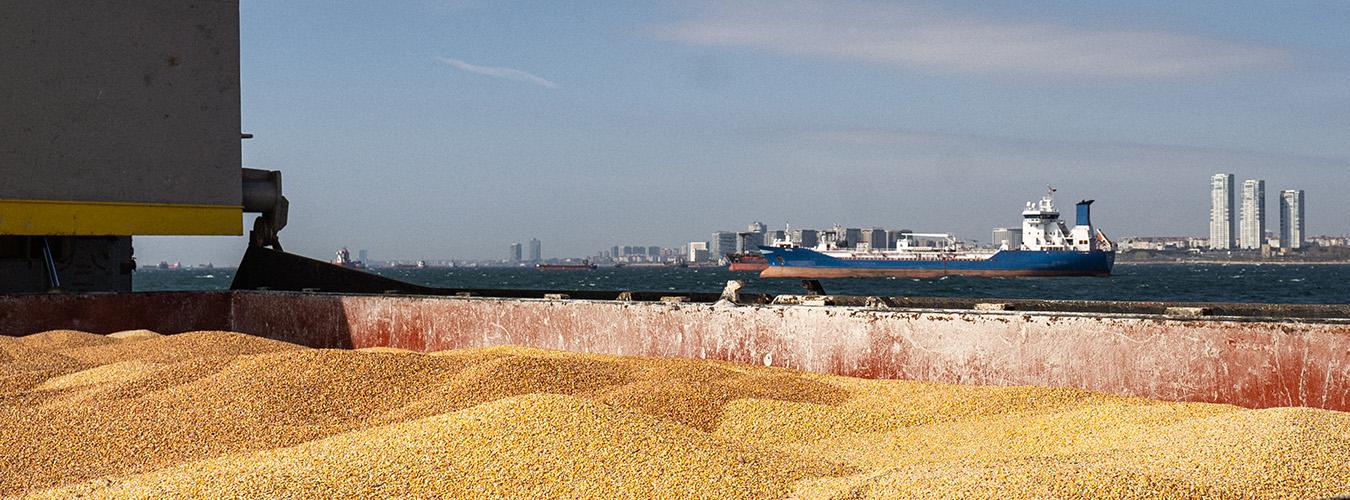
451,129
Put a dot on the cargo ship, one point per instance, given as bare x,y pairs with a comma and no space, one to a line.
1048,248
344,259
746,262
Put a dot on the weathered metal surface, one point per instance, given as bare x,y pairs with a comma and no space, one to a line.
1250,363
120,101
1245,361
164,312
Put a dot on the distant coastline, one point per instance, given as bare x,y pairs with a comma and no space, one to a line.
1314,255
1154,262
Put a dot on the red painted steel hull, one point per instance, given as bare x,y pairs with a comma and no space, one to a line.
747,262
746,266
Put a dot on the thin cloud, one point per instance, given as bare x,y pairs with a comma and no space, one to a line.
1200,156
503,73
903,36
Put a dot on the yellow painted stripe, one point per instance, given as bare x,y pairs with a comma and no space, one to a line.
94,218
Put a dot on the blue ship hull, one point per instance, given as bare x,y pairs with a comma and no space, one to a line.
807,263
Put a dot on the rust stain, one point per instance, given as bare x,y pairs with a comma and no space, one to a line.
1249,363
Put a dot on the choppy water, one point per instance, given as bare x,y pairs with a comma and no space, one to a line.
1327,284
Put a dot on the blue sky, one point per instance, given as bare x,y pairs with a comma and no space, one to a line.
450,129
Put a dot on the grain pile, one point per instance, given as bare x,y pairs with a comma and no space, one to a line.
215,414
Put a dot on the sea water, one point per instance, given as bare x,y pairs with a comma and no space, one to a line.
1324,284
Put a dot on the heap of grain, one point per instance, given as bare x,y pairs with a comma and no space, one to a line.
221,414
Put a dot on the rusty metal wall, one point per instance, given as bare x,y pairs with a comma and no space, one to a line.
164,312
1246,362
1255,363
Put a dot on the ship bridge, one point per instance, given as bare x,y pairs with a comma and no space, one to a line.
1043,230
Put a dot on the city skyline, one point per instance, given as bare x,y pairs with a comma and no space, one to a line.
416,128
1253,232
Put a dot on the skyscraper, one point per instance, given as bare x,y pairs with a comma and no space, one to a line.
1222,223
1253,213
1291,219
536,250
514,255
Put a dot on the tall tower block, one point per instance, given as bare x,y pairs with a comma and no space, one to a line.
1222,220
1253,214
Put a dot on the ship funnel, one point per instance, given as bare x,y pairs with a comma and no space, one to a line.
1085,212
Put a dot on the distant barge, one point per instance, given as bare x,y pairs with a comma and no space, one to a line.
584,266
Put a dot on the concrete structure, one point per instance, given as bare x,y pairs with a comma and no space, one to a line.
1161,243
120,118
723,243
1222,217
805,237
536,251
749,241
851,236
1329,241
1253,231
514,255
893,236
1007,238
876,238
1181,355
1292,235
698,251
114,102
